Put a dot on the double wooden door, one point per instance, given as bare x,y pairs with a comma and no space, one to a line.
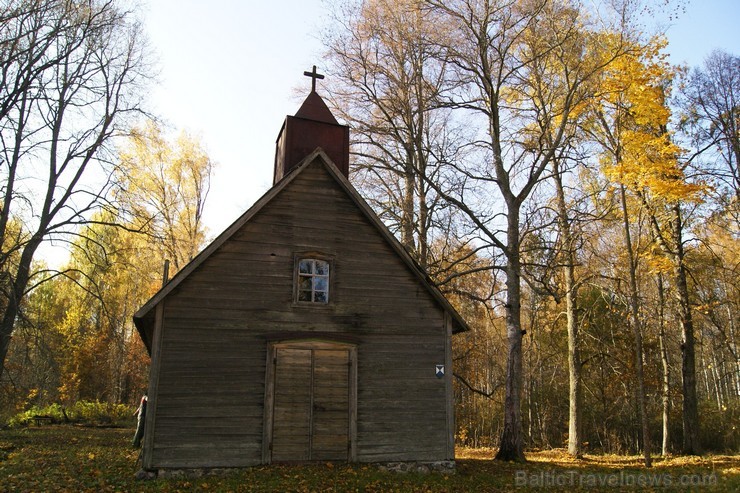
311,393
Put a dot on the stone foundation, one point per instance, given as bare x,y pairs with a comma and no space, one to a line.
195,473
185,473
442,466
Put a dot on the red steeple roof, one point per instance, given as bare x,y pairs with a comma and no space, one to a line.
312,126
314,108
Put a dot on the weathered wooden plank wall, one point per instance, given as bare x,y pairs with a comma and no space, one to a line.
209,408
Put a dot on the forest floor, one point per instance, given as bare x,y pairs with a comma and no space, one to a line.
76,459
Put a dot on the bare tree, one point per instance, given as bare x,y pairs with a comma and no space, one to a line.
709,106
523,69
387,75
72,72
710,102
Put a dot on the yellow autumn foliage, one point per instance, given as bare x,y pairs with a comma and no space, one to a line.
643,155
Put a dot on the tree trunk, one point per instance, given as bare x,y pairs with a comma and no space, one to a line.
17,289
691,443
575,396
407,213
665,448
511,447
637,331
571,308
422,243
733,349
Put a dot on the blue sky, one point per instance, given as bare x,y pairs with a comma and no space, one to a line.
232,70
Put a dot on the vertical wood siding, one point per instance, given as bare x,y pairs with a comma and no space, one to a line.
311,404
292,419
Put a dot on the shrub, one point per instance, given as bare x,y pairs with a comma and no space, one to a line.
82,412
55,411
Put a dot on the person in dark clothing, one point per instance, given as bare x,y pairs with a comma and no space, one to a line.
140,415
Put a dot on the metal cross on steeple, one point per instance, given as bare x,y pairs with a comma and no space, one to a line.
314,75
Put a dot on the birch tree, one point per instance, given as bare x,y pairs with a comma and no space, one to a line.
163,188
76,338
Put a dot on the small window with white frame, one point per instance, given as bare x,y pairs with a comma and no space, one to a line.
312,280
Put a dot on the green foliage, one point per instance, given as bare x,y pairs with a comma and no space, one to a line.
26,418
83,412
101,413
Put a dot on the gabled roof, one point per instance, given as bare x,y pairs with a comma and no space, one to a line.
143,318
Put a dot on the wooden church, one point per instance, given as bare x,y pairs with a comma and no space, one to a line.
304,332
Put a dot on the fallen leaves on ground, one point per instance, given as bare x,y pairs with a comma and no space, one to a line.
68,458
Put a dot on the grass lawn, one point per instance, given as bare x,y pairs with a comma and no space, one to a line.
68,458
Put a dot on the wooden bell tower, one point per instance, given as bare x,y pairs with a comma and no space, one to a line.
312,126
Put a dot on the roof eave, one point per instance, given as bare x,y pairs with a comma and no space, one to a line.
459,324
220,240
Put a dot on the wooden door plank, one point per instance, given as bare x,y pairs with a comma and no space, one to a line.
330,426
292,403
313,394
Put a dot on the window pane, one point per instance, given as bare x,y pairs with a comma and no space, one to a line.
305,283
313,280
305,266
322,268
320,283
